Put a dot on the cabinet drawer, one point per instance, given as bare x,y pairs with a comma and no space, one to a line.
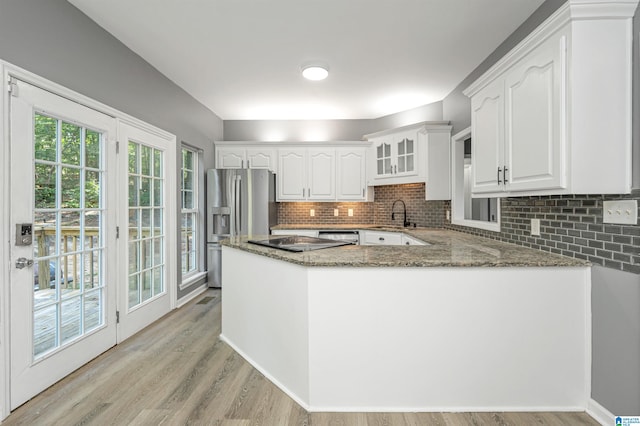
381,238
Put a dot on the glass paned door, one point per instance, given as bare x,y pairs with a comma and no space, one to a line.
62,287
68,235
146,230
148,241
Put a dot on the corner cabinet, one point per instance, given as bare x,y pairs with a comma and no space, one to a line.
413,154
239,155
554,115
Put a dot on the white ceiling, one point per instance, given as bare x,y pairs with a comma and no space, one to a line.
242,58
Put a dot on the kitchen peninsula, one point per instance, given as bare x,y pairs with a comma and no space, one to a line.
461,324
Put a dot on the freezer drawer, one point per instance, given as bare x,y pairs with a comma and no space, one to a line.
214,265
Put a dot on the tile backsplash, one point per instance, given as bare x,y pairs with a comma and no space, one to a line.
570,225
422,213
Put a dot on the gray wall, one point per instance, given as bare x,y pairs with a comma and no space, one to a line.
616,294
55,40
325,130
616,357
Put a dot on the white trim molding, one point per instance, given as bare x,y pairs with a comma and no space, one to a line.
599,413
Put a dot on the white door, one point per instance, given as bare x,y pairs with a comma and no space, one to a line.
292,175
487,122
351,180
534,137
63,310
147,166
321,177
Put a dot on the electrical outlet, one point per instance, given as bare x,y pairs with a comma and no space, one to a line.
336,212
620,211
350,212
312,212
448,214
535,227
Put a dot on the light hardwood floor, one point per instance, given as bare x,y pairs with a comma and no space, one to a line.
177,372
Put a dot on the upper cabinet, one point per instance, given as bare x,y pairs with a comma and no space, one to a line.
306,174
554,115
413,154
322,173
239,155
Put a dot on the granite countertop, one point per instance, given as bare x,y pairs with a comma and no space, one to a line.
447,249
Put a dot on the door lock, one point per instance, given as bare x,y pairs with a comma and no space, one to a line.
24,234
23,262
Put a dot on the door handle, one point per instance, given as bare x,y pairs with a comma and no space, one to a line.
23,262
499,170
504,175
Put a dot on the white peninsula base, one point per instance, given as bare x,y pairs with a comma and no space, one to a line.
412,339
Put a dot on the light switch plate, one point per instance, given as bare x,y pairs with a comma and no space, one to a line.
535,227
312,212
623,212
350,212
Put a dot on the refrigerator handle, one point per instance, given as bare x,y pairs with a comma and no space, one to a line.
238,198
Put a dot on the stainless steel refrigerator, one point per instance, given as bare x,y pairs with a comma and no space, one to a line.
239,202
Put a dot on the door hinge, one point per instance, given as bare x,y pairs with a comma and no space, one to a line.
117,232
117,317
12,87
117,147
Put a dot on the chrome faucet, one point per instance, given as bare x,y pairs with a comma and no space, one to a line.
405,223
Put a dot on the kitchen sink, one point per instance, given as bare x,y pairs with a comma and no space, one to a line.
298,243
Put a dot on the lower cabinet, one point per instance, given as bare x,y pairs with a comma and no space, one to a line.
385,238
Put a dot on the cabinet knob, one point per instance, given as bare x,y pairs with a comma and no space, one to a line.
381,239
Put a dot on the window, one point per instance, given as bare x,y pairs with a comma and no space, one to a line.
190,230
483,213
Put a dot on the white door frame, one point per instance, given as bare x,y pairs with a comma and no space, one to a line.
8,70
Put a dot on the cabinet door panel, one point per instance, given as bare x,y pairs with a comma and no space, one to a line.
533,140
291,175
321,176
261,159
351,173
487,109
230,158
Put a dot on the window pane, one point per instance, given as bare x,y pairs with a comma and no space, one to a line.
145,164
45,137
92,190
70,193
157,163
134,152
70,140
45,186
92,149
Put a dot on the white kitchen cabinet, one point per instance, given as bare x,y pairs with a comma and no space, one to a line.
413,154
516,124
306,174
408,240
554,115
378,238
351,177
236,156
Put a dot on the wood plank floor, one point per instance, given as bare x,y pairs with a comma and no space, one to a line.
177,372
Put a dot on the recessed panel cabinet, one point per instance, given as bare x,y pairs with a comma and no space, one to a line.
351,177
554,115
516,125
245,157
306,174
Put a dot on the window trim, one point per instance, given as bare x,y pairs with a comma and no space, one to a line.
457,184
190,277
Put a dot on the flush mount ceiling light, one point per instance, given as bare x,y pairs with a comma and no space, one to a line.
315,72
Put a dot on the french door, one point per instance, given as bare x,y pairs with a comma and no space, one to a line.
93,244
63,277
147,245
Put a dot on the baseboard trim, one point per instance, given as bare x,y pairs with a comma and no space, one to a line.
189,297
266,374
599,413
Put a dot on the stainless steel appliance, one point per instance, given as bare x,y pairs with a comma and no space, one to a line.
239,202
352,237
299,243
